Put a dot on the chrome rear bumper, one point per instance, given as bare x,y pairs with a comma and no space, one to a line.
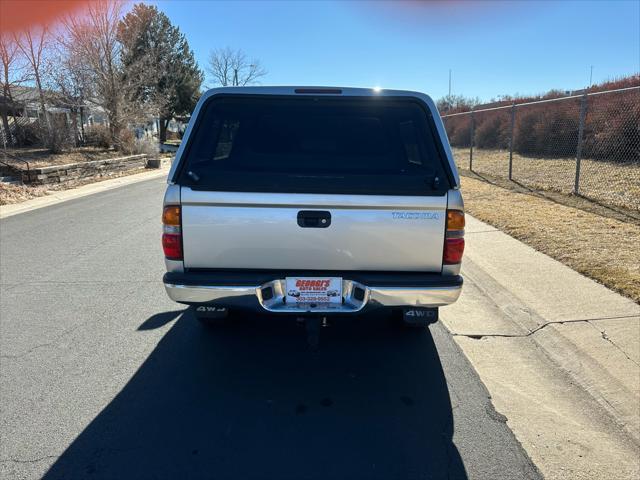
270,296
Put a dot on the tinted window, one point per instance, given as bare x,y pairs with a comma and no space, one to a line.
306,144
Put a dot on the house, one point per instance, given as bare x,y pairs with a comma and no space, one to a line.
22,107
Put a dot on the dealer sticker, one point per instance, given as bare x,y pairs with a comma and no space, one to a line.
305,290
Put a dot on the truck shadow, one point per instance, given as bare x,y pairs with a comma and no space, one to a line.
250,401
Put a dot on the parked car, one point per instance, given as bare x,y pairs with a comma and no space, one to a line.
280,186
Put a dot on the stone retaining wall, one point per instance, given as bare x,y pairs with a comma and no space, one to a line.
77,171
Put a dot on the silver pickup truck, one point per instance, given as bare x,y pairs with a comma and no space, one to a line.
314,201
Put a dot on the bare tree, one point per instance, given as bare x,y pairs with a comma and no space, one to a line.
72,79
93,38
13,73
232,67
459,103
34,44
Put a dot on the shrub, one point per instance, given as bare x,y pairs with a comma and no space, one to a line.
147,145
125,142
60,136
461,133
550,129
559,136
28,134
547,130
98,136
615,83
492,131
128,144
524,140
612,128
450,128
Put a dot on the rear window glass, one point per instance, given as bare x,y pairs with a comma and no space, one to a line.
309,144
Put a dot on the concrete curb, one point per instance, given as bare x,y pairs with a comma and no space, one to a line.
83,191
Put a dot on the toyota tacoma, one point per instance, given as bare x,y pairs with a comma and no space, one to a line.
314,201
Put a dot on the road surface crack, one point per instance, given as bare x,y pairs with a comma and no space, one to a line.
48,344
35,460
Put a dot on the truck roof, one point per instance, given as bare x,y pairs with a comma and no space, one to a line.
316,90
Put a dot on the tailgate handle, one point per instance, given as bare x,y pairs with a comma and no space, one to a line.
314,218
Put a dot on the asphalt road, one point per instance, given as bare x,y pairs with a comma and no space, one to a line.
101,376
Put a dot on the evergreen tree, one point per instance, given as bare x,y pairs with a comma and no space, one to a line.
161,75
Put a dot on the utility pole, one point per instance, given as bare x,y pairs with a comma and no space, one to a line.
449,83
591,77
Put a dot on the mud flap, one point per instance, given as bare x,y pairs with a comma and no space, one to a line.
419,317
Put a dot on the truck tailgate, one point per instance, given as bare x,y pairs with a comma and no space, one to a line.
261,231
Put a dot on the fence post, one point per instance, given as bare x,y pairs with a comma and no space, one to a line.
513,124
471,138
583,114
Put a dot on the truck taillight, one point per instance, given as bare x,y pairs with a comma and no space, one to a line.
172,246
454,238
172,233
453,249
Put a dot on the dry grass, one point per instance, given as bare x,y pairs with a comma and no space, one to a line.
616,184
602,248
39,157
19,193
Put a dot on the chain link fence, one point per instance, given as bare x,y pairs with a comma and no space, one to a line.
587,144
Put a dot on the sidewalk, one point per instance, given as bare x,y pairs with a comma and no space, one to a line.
559,354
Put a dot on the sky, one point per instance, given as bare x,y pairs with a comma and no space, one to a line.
492,48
